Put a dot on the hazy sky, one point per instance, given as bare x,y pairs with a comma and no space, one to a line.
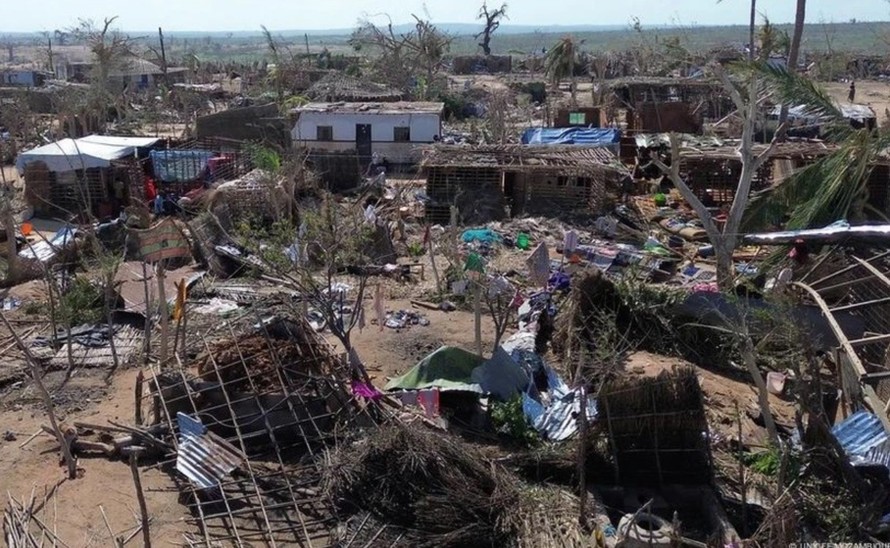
231,15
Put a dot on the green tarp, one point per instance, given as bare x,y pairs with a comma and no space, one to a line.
447,368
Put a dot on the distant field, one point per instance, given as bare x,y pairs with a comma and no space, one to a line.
870,37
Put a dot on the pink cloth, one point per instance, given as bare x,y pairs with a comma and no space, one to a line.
363,390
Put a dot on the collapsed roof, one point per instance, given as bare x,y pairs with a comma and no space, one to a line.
575,159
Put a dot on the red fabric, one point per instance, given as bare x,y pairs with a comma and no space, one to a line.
151,190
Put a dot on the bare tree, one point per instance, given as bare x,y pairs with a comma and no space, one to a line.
111,52
61,37
725,240
329,241
399,56
492,20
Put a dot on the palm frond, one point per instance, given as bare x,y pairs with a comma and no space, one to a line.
560,61
822,192
791,89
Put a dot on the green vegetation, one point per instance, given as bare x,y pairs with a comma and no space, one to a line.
82,303
509,419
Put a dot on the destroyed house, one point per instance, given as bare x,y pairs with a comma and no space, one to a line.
336,87
669,104
490,182
711,166
342,138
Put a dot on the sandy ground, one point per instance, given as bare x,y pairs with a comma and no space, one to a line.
871,93
389,353
75,509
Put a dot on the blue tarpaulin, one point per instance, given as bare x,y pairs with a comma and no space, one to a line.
571,136
179,166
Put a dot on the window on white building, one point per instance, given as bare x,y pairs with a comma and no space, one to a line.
401,134
324,133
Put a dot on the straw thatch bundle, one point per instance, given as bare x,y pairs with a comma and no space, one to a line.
440,488
658,426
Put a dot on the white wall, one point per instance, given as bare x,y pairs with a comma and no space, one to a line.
398,153
423,126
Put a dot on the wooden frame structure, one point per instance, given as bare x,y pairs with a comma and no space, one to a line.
864,288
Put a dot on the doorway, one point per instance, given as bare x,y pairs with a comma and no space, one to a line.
363,143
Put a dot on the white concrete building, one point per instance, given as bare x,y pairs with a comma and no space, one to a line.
391,130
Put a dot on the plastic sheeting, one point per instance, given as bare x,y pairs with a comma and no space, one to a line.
180,166
500,376
95,151
571,136
835,232
448,368
44,251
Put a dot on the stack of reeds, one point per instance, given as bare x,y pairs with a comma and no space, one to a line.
659,424
441,489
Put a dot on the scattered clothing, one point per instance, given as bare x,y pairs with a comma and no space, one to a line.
539,265
481,235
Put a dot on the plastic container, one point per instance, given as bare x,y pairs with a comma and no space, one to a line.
523,241
27,229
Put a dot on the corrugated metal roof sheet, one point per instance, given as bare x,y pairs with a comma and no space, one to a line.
203,457
859,434
571,136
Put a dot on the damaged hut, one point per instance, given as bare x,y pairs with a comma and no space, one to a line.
668,104
492,182
93,174
249,419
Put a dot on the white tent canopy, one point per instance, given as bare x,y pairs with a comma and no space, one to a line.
95,151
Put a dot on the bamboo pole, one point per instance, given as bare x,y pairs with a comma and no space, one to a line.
477,311
47,399
140,496
165,313
582,460
742,487
146,347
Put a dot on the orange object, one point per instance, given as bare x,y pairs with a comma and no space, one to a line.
27,228
575,259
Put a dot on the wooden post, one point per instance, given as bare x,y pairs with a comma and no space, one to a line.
433,262
477,311
655,441
36,375
164,312
140,379
146,346
140,496
163,55
582,459
306,36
